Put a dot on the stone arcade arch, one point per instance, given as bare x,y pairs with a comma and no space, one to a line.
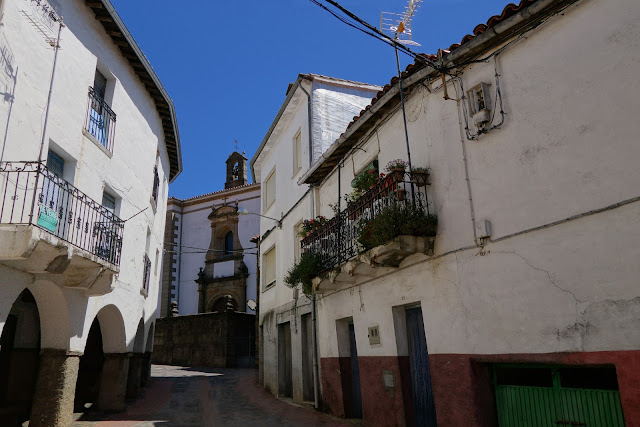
19,359
35,350
104,366
146,367
136,363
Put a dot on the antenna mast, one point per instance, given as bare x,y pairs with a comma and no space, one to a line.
400,26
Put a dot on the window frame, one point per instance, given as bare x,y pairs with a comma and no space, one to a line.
265,270
267,204
297,152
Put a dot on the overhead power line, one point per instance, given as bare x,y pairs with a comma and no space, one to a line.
358,23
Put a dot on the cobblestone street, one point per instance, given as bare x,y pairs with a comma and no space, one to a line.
178,396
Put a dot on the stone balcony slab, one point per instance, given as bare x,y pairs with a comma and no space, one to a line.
33,250
377,262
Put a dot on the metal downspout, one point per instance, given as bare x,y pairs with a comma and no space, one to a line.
314,335
56,49
309,123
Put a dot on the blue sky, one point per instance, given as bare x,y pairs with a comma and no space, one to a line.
227,64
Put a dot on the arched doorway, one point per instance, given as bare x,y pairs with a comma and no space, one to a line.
19,359
225,303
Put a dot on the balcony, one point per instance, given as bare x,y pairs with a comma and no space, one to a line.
146,275
375,234
100,122
47,226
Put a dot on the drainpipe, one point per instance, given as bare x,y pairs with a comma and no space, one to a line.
308,123
314,335
56,49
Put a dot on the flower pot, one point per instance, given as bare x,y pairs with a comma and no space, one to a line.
421,178
397,173
400,193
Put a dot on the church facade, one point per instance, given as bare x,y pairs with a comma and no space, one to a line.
209,261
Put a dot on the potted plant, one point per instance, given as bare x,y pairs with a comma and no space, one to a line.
311,225
421,176
303,272
397,168
366,180
395,220
400,193
351,199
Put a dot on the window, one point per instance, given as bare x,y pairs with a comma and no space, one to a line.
55,164
297,152
269,262
270,190
228,243
297,236
109,202
101,120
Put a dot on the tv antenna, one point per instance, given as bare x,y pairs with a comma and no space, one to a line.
399,24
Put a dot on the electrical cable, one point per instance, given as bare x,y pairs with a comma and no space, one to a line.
374,32
209,250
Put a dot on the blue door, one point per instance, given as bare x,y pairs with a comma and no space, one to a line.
356,408
424,409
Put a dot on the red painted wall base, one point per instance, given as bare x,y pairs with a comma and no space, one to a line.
461,384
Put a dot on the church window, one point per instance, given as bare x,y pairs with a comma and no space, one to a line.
228,243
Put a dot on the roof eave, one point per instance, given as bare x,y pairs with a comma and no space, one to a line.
481,43
175,153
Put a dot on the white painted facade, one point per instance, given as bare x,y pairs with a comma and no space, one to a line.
548,162
66,314
333,104
558,182
192,234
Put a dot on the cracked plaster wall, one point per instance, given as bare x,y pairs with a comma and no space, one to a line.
568,146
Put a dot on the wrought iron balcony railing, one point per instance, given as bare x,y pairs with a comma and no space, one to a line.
337,240
156,184
101,120
32,194
146,277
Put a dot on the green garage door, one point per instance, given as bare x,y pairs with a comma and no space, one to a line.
546,396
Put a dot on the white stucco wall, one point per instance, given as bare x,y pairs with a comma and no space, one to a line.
568,147
127,174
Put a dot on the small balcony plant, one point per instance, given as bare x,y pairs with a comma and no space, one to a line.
421,176
303,272
311,225
397,168
366,180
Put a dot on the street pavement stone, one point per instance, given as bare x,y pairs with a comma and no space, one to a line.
193,397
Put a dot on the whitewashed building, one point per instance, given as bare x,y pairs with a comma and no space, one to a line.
210,260
89,142
526,311
316,110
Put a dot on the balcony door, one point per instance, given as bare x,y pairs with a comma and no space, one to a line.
51,210
98,117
